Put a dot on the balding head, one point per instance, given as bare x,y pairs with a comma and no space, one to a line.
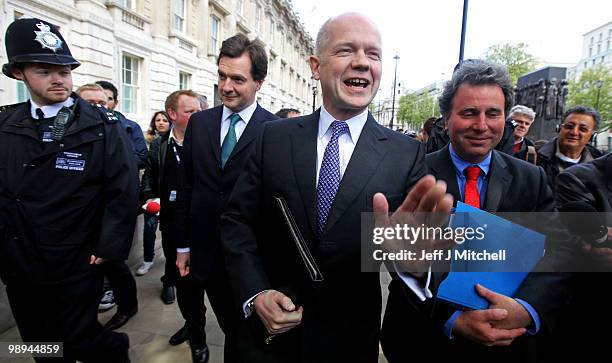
323,35
348,63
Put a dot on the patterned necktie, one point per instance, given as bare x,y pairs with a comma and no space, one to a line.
471,196
329,175
230,140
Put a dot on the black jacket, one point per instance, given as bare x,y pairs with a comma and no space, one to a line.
553,166
205,188
63,201
150,186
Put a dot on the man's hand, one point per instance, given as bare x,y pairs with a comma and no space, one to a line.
601,255
93,260
277,312
517,317
477,325
182,262
427,204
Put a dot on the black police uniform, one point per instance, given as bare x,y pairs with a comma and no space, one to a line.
60,203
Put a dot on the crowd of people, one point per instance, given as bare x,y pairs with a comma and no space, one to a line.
75,173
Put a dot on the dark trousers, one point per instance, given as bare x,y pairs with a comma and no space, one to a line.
190,296
67,313
149,235
123,284
171,273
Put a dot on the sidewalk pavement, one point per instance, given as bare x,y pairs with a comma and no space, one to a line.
150,329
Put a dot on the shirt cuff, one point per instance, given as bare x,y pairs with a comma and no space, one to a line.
448,326
183,250
422,292
245,307
534,327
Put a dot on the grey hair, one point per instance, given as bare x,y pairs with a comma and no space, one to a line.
476,72
322,37
523,110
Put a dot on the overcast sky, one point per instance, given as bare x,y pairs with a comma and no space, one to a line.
426,33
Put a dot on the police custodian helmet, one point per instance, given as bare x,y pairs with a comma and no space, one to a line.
36,41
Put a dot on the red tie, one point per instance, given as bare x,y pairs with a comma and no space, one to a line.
471,196
517,147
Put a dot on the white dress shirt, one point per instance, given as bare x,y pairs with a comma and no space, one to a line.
346,141
49,110
245,116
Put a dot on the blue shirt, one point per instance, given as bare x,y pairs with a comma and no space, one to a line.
484,165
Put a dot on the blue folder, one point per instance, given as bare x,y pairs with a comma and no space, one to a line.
524,249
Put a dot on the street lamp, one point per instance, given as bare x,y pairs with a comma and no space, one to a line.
313,81
394,84
598,84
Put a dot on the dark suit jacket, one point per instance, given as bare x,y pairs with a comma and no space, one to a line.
579,326
205,187
341,317
513,186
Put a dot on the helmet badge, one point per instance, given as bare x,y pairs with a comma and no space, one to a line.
46,38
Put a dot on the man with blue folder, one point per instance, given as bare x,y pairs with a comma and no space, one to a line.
474,104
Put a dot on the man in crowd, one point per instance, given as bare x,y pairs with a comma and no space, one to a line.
327,166
523,117
474,103
217,144
578,329
92,93
121,286
68,187
287,113
160,180
571,147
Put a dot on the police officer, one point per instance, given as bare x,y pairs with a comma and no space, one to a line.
68,188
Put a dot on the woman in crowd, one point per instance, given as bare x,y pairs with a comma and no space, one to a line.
160,125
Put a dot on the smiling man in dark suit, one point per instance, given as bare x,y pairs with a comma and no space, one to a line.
327,166
474,103
217,144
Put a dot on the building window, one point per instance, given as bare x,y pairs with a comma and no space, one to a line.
184,80
179,15
239,6
258,18
129,84
608,45
271,35
591,40
593,61
126,4
598,48
22,92
590,52
214,34
600,37
585,65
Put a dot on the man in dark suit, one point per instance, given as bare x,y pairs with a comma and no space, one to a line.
160,180
579,328
217,144
474,103
327,166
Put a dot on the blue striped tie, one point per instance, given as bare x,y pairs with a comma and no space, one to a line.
329,175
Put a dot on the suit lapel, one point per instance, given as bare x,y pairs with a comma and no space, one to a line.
304,156
498,183
368,153
442,167
250,132
214,133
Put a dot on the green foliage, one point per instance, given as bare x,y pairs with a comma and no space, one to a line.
415,108
584,92
515,57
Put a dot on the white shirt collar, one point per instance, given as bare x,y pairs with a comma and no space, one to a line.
173,137
355,123
50,110
245,114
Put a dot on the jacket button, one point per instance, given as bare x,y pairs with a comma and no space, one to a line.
61,145
17,200
100,134
25,165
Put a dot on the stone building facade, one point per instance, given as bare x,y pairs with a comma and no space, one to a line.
150,48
